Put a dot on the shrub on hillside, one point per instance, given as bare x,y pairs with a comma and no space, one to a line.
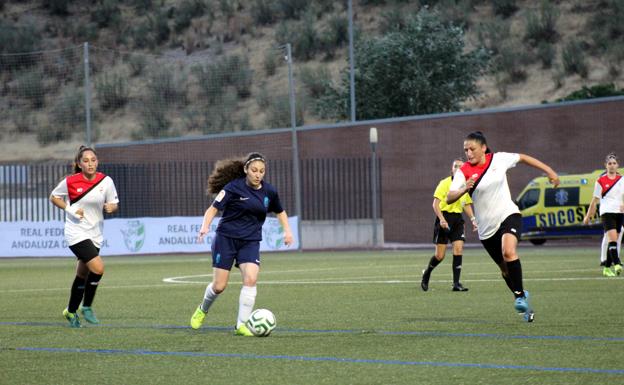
30,87
186,11
58,7
504,8
542,26
606,25
302,35
573,59
263,12
492,34
16,39
112,91
106,14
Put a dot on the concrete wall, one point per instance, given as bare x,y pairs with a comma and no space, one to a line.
340,234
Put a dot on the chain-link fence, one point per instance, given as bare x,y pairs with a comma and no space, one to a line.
87,94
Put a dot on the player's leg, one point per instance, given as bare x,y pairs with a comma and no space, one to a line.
96,271
603,250
223,252
249,265
75,295
511,229
457,237
440,239
458,247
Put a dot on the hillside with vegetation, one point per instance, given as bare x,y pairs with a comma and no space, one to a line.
147,83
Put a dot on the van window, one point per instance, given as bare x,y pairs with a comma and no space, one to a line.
562,196
528,199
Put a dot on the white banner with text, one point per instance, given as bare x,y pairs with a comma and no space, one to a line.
131,236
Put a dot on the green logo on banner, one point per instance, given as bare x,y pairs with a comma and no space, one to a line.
134,235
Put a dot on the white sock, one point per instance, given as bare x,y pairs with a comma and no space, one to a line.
605,243
246,303
603,248
209,297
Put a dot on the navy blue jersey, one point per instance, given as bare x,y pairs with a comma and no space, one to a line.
245,209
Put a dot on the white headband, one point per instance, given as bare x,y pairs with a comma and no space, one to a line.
254,159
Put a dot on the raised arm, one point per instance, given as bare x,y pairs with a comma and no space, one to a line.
533,162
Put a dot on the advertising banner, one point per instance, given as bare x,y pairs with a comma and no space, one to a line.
130,236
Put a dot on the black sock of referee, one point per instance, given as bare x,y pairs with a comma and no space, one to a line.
433,262
92,283
75,296
457,266
612,254
514,269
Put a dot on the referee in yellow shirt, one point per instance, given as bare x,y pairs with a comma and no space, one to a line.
449,226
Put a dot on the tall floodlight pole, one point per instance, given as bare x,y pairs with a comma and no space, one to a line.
295,146
372,137
351,62
87,86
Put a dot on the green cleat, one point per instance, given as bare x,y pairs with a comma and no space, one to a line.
198,318
243,331
74,321
89,315
617,269
607,272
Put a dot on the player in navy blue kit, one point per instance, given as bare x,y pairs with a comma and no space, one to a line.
245,199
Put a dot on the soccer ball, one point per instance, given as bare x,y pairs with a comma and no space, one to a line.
261,322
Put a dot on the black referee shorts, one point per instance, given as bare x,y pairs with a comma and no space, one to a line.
612,221
494,245
455,232
85,250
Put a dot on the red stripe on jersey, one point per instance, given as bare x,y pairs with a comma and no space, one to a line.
78,185
476,171
606,183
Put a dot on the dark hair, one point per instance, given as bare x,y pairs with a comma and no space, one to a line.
226,170
611,155
81,150
478,137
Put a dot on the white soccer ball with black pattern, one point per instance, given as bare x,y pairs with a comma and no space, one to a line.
261,322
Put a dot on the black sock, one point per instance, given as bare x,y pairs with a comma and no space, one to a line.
514,269
433,262
507,281
612,254
91,286
457,266
76,293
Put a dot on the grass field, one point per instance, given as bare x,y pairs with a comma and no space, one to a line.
343,318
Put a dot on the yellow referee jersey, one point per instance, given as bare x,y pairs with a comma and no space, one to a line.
442,190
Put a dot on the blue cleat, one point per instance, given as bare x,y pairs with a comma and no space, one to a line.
89,315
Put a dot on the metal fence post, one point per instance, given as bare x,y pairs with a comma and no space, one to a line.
87,86
295,146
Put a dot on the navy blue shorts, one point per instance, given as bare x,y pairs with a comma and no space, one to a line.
225,251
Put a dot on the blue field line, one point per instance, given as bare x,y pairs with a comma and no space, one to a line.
141,352
280,330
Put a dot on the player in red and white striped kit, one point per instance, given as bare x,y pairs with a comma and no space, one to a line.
484,177
84,196
609,191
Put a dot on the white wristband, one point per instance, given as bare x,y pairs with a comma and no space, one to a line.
472,219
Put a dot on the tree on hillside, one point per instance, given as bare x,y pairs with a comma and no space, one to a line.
420,69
